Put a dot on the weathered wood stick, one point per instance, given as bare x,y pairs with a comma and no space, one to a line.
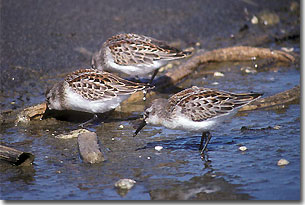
16,157
278,99
238,53
89,149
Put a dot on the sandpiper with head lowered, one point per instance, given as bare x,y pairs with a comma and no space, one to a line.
135,55
195,109
92,91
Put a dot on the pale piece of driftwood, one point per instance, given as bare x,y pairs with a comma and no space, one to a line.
278,99
71,134
89,148
238,53
16,157
27,114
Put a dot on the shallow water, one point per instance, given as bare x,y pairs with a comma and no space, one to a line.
177,171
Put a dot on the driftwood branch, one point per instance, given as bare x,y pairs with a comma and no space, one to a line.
15,157
89,148
239,53
285,97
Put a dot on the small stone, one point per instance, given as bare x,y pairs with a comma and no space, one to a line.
215,83
197,44
277,127
218,74
243,148
121,126
125,183
148,158
158,148
248,70
112,138
254,20
282,162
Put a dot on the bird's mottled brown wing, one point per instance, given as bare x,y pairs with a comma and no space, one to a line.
95,85
199,104
130,49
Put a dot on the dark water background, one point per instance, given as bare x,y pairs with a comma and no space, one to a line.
42,40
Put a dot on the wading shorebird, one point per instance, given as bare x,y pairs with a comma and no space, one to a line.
195,109
91,91
135,55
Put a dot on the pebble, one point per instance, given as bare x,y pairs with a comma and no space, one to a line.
218,74
158,148
277,127
243,148
125,183
248,70
215,83
282,162
121,126
254,20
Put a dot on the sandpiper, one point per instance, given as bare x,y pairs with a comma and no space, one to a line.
92,91
195,109
135,55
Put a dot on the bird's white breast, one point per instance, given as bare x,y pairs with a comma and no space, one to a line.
74,101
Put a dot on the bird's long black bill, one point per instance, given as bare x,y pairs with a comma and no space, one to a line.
143,123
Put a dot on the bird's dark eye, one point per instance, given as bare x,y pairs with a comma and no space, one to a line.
146,113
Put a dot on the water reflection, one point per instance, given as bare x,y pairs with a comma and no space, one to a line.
205,187
15,174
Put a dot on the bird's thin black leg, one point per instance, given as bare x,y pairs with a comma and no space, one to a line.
150,82
153,76
89,121
203,139
206,136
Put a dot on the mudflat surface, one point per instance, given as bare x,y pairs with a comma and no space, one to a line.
41,41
